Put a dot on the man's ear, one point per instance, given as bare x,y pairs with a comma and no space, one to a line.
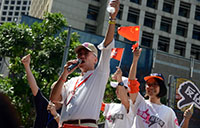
96,60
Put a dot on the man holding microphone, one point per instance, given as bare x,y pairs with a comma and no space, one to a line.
82,95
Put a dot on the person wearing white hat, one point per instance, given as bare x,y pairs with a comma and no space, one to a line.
82,95
117,115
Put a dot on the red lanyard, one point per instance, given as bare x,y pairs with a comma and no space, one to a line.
75,87
67,101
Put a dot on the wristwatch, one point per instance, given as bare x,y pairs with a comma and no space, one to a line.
57,115
120,84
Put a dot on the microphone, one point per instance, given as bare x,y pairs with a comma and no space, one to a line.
74,65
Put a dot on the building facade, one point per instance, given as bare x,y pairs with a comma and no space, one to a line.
39,7
11,10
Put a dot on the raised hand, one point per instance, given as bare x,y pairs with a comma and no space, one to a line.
137,53
115,4
26,60
52,108
117,75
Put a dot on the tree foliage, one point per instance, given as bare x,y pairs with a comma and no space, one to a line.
45,42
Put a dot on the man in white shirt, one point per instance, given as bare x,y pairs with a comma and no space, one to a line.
82,95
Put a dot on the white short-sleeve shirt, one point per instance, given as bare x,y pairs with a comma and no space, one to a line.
87,101
150,115
117,117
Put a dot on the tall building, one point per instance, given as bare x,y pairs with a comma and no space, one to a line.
11,10
39,7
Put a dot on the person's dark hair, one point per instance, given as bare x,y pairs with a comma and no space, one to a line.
163,89
9,117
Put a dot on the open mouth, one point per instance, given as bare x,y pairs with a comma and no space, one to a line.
82,62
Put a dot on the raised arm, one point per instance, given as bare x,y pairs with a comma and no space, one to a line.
31,80
133,84
111,27
122,92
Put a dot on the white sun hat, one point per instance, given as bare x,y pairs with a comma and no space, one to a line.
124,80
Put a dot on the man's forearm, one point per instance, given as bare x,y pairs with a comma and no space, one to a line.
110,34
31,81
57,89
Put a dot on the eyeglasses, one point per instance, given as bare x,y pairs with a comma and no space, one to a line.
152,84
83,52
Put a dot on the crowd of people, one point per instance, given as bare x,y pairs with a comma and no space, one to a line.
77,102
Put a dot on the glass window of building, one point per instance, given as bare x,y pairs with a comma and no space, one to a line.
13,2
90,28
166,24
5,7
197,13
18,2
4,13
24,8
25,2
15,19
184,9
6,2
10,13
196,32
133,15
149,20
195,51
92,12
16,13
179,48
9,19
3,18
152,4
182,28
17,8
168,6
23,13
11,7
147,39
119,14
136,1
163,43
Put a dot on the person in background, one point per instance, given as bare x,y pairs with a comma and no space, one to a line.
9,117
82,96
118,115
43,117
